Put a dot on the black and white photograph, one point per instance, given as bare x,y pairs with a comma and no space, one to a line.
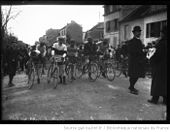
84,62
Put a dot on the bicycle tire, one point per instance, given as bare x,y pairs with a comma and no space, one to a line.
78,71
69,76
49,72
118,70
55,76
109,69
92,71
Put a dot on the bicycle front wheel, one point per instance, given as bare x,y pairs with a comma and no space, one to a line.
110,72
93,71
70,72
78,70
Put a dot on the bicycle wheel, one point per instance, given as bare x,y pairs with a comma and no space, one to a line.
49,72
78,70
110,72
118,70
31,77
55,76
92,71
69,72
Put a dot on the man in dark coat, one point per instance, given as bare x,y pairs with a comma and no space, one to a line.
136,59
159,70
11,59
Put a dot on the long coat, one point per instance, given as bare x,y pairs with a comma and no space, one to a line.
11,58
159,69
136,58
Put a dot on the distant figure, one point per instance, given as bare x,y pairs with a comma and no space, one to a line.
11,60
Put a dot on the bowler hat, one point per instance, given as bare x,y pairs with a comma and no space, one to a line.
136,28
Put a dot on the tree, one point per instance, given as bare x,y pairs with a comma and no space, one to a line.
7,14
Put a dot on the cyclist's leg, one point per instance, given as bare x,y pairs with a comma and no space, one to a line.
60,73
63,73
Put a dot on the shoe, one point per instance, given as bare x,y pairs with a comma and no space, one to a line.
133,91
152,101
11,85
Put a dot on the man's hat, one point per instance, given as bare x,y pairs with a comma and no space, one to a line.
137,28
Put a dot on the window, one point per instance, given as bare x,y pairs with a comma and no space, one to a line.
126,27
112,23
108,28
153,29
116,25
110,8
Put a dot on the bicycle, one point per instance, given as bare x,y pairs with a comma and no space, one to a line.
53,71
89,67
105,67
70,70
121,67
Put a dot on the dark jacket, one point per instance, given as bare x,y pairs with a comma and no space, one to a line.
159,69
90,49
12,60
136,58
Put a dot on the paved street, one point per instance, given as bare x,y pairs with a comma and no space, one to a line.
80,100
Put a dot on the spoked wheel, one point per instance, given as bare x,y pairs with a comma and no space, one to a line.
92,71
31,77
117,68
55,77
49,74
110,72
78,71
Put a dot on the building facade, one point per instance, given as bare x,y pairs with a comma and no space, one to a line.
72,31
111,23
96,33
151,19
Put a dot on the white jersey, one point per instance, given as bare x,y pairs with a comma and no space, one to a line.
59,47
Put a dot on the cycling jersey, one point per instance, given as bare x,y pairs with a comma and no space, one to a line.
60,50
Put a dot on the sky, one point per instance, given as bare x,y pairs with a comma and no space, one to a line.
34,20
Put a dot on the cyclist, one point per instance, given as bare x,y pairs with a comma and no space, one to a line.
41,50
104,50
90,50
72,55
60,51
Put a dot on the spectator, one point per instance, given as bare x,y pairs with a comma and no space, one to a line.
11,59
159,70
136,59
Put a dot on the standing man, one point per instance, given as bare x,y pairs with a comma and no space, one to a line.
11,60
159,70
136,59
61,50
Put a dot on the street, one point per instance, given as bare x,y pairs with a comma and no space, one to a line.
79,100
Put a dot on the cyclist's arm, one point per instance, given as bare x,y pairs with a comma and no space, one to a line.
65,51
